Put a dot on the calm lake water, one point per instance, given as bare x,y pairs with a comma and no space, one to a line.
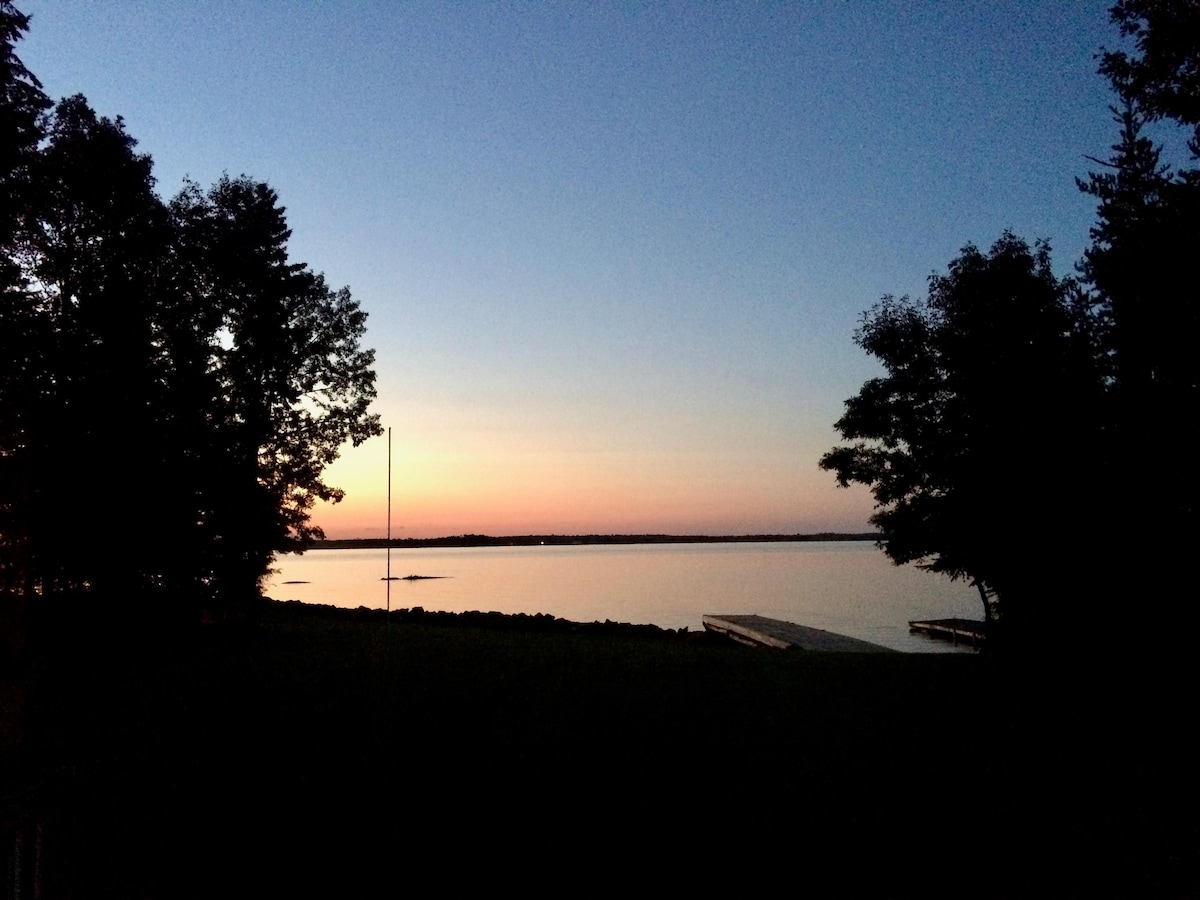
848,587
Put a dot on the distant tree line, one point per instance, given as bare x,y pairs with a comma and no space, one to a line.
564,540
1035,435
172,385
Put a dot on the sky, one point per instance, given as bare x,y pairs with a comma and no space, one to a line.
613,254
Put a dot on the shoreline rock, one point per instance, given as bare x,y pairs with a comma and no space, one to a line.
495,621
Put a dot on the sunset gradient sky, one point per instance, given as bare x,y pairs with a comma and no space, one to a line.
613,254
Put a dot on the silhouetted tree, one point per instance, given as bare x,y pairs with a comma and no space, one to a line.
169,359
1148,220
1164,73
972,440
1139,269
1025,419
99,238
22,103
287,380
23,336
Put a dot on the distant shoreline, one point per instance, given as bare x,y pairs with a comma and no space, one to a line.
562,540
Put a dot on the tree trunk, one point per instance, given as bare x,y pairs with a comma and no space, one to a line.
987,607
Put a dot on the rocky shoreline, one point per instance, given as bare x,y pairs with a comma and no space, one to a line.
293,610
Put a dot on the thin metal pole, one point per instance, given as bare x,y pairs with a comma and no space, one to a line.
389,527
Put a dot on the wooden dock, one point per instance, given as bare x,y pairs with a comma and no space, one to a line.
960,631
759,631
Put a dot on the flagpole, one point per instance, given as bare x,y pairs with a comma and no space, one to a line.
389,527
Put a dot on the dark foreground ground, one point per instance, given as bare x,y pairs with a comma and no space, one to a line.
326,752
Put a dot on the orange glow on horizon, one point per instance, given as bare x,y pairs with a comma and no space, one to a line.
594,509
456,481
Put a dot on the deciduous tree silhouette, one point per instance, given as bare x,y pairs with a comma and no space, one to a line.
97,246
167,358
1033,435
282,372
972,440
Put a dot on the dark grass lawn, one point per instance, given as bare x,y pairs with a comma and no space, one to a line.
269,760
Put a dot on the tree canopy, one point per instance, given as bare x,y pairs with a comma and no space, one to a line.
1033,434
982,376
166,358
1163,74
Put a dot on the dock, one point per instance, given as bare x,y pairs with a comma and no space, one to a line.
960,631
759,631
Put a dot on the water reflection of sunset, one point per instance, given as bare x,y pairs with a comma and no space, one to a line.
848,587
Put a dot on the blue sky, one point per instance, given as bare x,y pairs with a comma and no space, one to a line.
613,254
